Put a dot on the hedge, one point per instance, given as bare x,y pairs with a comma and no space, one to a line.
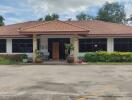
11,58
108,57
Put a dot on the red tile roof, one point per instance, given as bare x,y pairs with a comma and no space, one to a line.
104,28
95,28
12,30
54,27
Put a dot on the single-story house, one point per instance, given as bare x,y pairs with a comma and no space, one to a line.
51,36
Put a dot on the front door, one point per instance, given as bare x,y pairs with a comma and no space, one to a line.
56,47
55,50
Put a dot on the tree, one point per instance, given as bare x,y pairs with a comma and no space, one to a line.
83,16
55,16
112,12
50,17
89,17
1,20
130,19
40,19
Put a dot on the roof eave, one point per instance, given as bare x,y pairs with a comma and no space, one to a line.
53,32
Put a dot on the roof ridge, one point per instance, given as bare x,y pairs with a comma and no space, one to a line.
33,26
52,21
74,25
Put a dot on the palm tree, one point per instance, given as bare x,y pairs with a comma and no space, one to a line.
1,20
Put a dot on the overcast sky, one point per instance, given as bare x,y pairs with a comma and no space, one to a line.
25,10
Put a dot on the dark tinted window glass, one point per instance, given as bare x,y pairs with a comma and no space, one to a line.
92,45
2,45
22,45
123,44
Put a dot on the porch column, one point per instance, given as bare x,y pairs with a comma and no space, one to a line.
76,47
34,46
110,44
9,45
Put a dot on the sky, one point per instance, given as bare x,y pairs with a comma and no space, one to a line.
15,11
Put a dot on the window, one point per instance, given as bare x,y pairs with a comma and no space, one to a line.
123,44
2,45
92,45
22,46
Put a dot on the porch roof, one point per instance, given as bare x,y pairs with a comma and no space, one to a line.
54,28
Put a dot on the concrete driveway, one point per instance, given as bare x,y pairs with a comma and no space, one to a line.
66,82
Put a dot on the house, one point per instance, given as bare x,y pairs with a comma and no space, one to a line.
51,36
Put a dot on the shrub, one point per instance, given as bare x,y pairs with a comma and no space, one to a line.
108,57
11,58
4,61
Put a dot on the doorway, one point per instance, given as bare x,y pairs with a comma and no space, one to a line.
56,47
55,50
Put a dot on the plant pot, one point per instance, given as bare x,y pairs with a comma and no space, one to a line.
70,59
38,60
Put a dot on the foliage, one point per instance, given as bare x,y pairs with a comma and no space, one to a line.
68,48
11,58
24,56
5,61
40,19
1,20
108,57
38,58
112,12
38,54
130,19
83,16
50,17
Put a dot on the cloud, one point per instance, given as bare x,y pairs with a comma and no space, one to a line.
128,7
17,13
12,20
6,9
43,7
24,10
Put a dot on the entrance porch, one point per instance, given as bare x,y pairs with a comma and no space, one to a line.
55,45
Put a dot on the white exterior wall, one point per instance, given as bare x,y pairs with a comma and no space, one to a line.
110,45
44,43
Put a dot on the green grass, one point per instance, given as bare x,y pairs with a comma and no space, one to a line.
7,61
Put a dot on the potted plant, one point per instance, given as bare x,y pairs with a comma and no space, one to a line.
24,58
68,49
38,58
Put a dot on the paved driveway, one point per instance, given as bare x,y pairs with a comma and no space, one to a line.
65,82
